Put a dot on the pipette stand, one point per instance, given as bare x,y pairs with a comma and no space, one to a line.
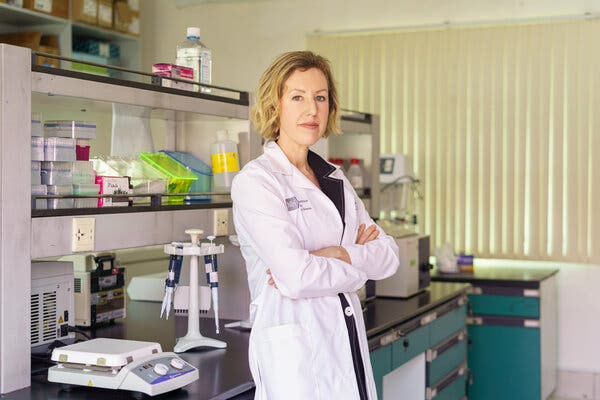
195,249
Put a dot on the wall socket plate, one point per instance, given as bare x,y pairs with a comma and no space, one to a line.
220,222
83,234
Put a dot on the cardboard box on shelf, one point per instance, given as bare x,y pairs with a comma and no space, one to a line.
85,11
48,44
36,41
134,26
105,13
124,19
58,8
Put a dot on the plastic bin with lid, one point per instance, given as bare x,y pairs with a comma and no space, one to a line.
144,178
57,173
86,189
202,171
180,178
38,204
60,190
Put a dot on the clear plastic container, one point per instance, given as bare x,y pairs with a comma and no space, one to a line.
355,174
199,168
225,162
180,178
83,173
38,204
82,149
194,54
37,148
36,173
59,149
57,173
86,189
144,178
70,129
58,190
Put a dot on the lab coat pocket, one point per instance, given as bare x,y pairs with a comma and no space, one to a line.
285,362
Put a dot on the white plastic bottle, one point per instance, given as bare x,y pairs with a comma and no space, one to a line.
193,54
225,162
355,174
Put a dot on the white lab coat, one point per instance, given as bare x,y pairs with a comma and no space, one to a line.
299,346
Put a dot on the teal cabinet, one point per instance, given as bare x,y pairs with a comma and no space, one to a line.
512,328
441,335
381,362
505,361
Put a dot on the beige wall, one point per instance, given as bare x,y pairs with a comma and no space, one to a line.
245,35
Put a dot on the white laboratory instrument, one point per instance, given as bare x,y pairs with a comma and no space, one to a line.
393,167
195,249
121,364
52,309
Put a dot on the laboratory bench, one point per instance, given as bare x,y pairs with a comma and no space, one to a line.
512,327
224,373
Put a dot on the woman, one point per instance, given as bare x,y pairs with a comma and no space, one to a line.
308,242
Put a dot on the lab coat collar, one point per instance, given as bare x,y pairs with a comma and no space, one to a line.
279,162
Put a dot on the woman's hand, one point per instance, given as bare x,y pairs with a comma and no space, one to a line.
271,281
366,234
333,252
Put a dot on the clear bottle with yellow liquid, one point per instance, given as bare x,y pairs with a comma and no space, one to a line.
225,162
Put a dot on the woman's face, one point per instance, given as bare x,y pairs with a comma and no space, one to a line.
304,107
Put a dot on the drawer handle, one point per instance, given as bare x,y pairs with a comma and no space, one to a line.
474,321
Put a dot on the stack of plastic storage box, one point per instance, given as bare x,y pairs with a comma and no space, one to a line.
66,169
37,156
202,171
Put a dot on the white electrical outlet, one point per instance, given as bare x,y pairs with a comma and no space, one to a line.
83,234
220,222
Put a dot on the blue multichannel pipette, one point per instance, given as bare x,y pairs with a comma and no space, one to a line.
172,280
212,278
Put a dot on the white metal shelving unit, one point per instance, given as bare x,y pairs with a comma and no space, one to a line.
16,19
190,118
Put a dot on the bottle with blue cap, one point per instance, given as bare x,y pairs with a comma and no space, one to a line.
194,54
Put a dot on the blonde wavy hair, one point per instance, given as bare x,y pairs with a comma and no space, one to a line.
266,111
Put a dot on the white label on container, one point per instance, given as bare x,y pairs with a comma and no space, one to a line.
104,50
90,8
105,13
43,5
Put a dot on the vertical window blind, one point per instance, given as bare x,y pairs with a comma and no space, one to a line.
502,123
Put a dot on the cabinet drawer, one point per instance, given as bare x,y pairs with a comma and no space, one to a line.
448,324
411,345
446,357
452,387
510,306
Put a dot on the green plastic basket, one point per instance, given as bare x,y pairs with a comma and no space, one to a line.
180,178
